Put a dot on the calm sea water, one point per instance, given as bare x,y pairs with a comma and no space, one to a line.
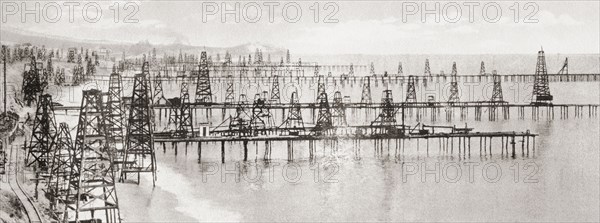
557,182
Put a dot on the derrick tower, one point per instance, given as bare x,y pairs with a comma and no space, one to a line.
139,148
365,98
400,71
427,68
43,135
482,69
158,96
203,89
497,91
324,123
261,119
275,93
229,92
541,87
240,123
454,93
60,170
387,117
339,110
411,93
185,127
294,123
115,111
92,195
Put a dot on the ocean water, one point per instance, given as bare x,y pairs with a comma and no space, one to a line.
558,181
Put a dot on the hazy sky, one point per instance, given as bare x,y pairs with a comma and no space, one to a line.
368,27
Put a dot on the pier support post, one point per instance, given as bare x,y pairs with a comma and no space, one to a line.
199,151
223,151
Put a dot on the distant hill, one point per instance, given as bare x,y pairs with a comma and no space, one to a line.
15,36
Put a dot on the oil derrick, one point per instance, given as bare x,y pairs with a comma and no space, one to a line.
140,137
338,116
261,119
288,58
372,69
203,90
115,112
324,123
482,69
60,170
320,86
32,85
351,71
229,92
43,134
71,55
365,98
158,96
564,70
59,78
411,92
240,124
90,69
275,94
427,68
78,77
497,91
387,117
294,123
454,97
92,179
541,88
184,125
400,72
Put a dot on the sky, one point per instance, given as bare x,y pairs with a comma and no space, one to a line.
322,27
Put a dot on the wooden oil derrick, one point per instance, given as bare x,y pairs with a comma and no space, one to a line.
541,87
321,88
454,93
203,89
411,92
184,125
482,69
365,98
427,68
60,170
240,124
400,71
174,104
275,93
497,90
261,120
90,70
294,123
324,123
32,84
71,55
92,195
387,117
229,92
59,78
158,96
139,149
351,70
372,70
43,135
78,76
338,116
115,113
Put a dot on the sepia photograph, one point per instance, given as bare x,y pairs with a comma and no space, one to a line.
299,111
